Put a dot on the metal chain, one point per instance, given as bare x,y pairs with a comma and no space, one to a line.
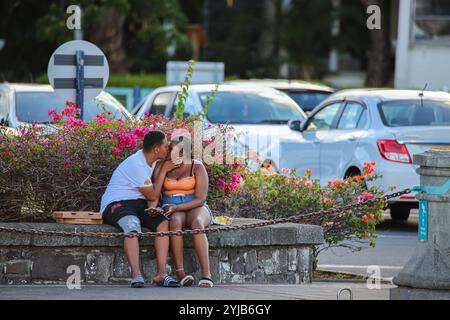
303,218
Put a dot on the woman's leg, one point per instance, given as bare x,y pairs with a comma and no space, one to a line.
177,221
199,218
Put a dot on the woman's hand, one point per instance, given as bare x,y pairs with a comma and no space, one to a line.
169,209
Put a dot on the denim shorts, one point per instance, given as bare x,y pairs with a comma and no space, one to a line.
183,198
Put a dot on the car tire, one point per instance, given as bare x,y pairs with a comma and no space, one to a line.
400,212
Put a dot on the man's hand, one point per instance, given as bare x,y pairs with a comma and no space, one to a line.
170,165
154,212
169,209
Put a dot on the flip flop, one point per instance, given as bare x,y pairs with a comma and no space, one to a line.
168,282
187,281
205,283
137,282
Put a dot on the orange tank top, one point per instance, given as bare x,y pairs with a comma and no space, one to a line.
183,186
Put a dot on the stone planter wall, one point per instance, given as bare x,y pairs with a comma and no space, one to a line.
275,254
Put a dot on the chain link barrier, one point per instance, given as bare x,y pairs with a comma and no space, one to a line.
302,218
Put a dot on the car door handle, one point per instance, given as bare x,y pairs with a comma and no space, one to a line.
352,139
316,141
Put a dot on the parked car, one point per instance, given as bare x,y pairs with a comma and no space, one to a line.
258,114
22,104
307,95
386,126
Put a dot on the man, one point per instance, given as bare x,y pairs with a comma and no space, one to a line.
124,202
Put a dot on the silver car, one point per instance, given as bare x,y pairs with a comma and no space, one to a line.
388,127
23,104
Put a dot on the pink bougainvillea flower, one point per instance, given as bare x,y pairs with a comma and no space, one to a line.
309,184
366,196
71,104
365,218
127,140
236,177
222,182
116,151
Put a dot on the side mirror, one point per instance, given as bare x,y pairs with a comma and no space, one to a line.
294,125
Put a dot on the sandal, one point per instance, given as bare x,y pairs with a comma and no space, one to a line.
137,282
205,283
187,281
168,282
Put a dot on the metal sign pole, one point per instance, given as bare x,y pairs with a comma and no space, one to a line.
79,81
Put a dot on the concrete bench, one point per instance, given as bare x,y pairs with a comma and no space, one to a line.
272,254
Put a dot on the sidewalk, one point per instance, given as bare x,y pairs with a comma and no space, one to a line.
315,291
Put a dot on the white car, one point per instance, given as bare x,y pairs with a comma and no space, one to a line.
258,114
23,104
389,127
306,94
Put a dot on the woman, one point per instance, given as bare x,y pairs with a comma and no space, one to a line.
184,202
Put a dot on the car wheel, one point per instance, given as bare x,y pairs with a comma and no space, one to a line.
400,212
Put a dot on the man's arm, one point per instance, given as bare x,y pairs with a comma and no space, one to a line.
153,192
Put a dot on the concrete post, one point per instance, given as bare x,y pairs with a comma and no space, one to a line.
427,273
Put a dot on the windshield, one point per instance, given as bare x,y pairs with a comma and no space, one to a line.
32,107
405,113
308,100
251,107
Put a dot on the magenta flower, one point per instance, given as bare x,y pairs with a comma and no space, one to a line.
236,177
366,196
116,151
222,182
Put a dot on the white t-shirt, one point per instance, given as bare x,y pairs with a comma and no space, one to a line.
131,174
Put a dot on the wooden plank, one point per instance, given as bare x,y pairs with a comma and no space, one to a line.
77,214
79,221
78,217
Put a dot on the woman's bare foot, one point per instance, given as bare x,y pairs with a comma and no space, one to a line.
180,273
158,278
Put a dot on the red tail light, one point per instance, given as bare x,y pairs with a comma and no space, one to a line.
391,150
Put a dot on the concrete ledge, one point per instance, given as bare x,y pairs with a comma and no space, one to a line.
272,254
405,293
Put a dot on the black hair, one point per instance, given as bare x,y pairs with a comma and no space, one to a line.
153,139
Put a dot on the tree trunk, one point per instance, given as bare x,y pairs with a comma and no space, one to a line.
107,33
380,56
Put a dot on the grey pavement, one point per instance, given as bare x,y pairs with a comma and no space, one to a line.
315,291
395,244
